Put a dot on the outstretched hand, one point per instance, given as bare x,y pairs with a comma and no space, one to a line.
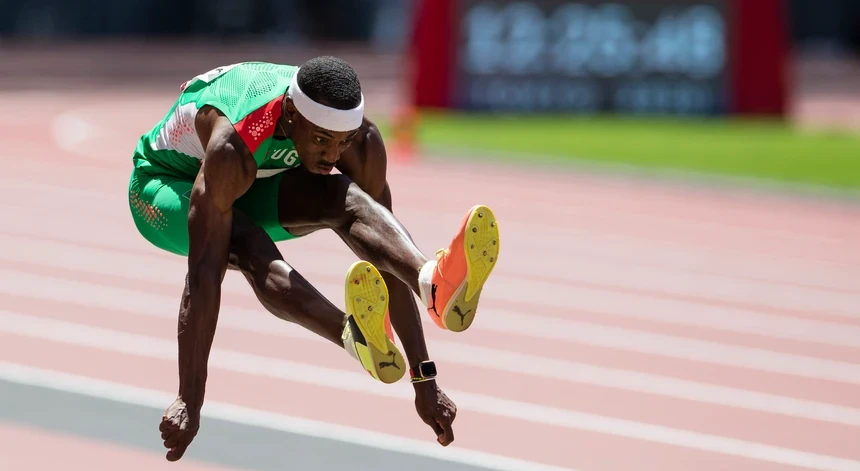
436,410
179,426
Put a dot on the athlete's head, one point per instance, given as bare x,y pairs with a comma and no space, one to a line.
326,107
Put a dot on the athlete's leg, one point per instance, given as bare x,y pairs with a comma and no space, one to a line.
159,206
451,286
289,296
308,202
279,287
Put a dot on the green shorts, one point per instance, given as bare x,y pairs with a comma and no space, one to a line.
159,207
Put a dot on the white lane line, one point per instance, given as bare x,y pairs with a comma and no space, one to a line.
715,353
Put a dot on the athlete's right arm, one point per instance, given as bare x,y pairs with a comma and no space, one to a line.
227,171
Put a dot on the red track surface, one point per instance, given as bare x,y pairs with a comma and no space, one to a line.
627,326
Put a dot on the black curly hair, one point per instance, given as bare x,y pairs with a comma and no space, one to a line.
330,81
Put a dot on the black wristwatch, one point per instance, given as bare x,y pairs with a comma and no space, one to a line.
424,371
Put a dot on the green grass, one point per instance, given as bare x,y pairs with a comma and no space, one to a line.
759,149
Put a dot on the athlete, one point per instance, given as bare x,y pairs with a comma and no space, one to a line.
244,159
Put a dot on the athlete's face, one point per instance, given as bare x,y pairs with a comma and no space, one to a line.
319,149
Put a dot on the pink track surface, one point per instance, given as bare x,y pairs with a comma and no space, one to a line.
627,325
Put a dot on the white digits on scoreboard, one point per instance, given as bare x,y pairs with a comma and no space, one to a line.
707,39
690,43
662,46
484,28
511,39
572,48
588,40
611,27
526,40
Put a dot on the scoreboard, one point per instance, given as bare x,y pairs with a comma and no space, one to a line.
682,57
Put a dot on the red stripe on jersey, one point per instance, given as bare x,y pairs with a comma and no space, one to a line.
259,125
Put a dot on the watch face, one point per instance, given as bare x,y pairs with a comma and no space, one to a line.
427,369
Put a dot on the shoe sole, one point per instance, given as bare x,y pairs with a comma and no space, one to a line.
481,245
366,308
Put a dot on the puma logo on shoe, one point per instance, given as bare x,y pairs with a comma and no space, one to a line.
433,297
393,362
461,314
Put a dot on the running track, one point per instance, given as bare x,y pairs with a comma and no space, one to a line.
627,326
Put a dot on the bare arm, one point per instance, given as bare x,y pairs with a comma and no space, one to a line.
228,170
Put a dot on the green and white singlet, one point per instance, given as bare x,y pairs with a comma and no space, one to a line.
249,94
168,157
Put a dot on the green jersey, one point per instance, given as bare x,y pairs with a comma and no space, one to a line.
249,94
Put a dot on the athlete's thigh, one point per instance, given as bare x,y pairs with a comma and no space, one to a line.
260,205
252,249
309,202
160,205
159,208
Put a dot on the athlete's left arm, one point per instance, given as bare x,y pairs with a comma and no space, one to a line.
365,163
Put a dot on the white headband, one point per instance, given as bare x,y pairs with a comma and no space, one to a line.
323,116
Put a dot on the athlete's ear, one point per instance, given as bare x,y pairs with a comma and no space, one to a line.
290,109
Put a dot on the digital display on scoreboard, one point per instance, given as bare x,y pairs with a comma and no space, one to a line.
636,56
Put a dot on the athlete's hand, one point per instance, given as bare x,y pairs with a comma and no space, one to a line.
179,426
436,410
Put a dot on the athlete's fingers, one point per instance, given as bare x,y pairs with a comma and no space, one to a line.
434,424
172,441
168,425
176,452
447,435
169,439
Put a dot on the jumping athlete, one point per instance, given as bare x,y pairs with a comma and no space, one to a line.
242,160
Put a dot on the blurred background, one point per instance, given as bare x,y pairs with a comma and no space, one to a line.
676,182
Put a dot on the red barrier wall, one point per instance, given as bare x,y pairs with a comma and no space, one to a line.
760,59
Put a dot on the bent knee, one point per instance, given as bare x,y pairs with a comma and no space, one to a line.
358,204
343,202
274,280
